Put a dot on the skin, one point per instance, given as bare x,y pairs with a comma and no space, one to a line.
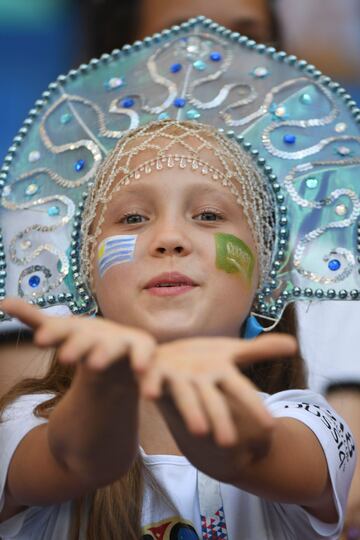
252,18
249,17
173,359
173,236
155,11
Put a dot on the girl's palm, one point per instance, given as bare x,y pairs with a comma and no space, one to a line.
211,394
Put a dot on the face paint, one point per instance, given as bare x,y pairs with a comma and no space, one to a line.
115,250
233,255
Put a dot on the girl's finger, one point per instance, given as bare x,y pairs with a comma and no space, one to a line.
54,331
247,399
75,348
222,423
141,352
265,348
28,314
189,406
151,383
97,358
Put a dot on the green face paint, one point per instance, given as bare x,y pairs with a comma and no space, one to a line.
233,255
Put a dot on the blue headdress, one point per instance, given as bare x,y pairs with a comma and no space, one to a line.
299,127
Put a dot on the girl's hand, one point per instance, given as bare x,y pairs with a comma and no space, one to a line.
211,395
98,342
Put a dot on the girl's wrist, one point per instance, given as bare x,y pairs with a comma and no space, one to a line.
118,376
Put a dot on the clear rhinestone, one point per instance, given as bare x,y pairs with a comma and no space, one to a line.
340,127
25,244
260,72
280,112
343,151
32,189
34,156
341,209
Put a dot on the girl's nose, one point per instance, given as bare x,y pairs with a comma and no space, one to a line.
170,242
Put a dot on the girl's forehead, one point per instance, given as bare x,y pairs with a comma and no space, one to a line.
182,160
174,182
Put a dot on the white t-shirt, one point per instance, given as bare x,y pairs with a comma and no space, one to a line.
247,517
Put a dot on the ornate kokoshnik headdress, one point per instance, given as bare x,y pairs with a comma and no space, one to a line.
296,126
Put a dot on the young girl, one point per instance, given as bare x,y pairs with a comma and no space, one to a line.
146,425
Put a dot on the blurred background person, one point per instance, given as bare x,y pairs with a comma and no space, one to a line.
327,34
135,19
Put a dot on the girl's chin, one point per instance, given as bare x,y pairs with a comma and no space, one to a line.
163,335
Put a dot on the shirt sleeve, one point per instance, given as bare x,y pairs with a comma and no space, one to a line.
338,445
16,421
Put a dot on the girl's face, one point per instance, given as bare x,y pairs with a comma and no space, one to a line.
249,17
177,283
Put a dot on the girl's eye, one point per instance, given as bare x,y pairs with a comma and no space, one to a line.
209,215
131,219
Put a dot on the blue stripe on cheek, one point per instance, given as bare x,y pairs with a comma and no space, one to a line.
116,250
115,257
113,262
114,243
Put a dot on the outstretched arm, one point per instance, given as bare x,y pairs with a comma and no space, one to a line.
91,437
221,424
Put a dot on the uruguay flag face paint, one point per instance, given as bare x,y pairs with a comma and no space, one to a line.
115,250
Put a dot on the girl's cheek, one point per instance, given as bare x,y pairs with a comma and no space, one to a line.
115,250
234,256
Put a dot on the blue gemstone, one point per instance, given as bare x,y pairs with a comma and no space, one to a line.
334,265
312,182
163,116
79,165
34,281
175,68
127,103
289,139
199,65
66,118
306,99
179,102
192,114
53,211
215,56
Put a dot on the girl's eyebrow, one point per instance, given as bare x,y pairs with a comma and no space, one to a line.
223,193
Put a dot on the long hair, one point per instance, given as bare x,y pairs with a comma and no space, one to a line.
115,510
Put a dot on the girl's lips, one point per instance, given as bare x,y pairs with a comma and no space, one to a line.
173,290
171,279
